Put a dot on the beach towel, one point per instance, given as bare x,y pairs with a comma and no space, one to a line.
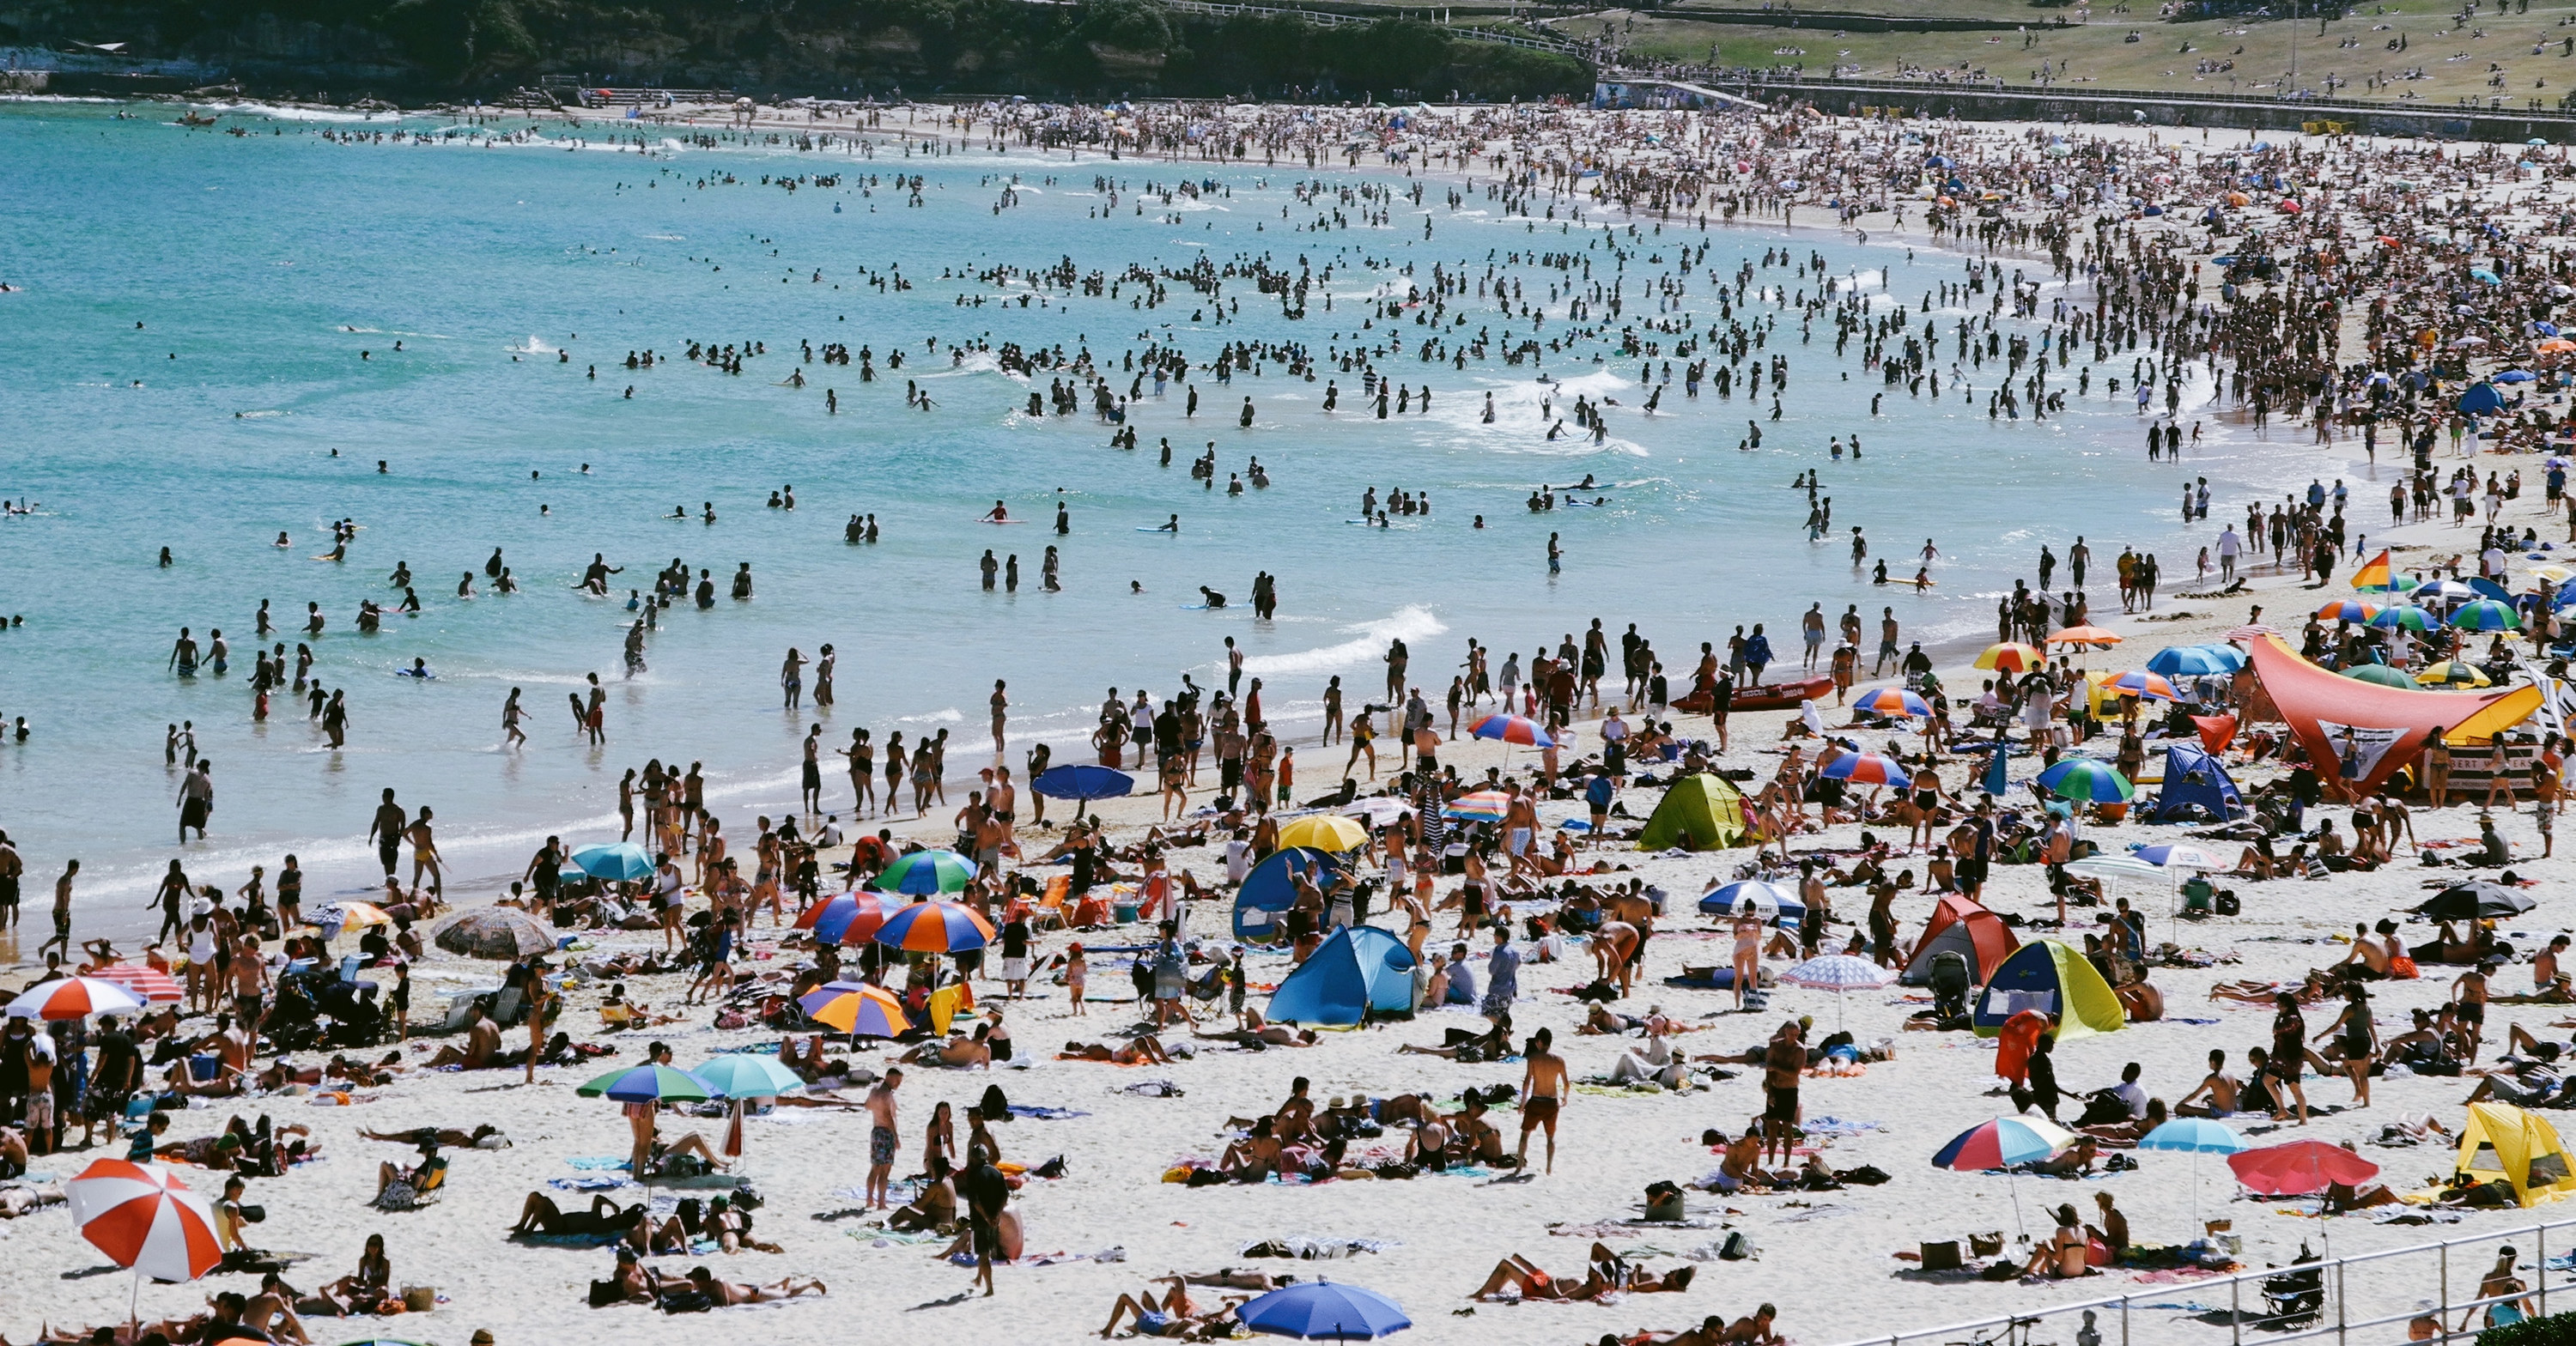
1312,1248
597,1162
586,1184
566,1240
1837,1126
898,1238
1045,1114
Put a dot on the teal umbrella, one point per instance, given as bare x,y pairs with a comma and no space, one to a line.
2086,781
2195,1136
617,861
2407,615
747,1075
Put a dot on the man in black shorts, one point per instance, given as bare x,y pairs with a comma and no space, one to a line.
386,831
10,868
1784,1063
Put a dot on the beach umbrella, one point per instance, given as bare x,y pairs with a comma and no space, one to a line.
848,918
736,1076
1484,806
2476,900
355,914
2251,631
2453,673
1513,729
935,927
1894,701
2195,661
2115,867
1770,901
153,984
2085,635
495,932
1378,810
2379,675
2140,683
925,872
2486,614
1838,973
615,861
74,998
648,1084
2300,1168
143,1217
2183,855
2446,590
1323,1311
856,1008
1996,781
2347,610
2012,657
2003,1143
1866,768
2085,780
1324,832
1082,782
2195,1136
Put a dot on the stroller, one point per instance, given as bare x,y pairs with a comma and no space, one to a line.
2294,1297
1950,985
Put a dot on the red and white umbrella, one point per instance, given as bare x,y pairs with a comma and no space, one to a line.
145,1218
74,998
144,980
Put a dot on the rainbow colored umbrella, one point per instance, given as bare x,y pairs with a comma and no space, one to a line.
925,872
2140,683
850,918
857,1008
2486,614
2083,779
1513,729
1892,701
1866,768
935,927
2012,656
2347,610
2406,615
1484,806
2003,1143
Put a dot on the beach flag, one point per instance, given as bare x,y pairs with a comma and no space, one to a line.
2374,576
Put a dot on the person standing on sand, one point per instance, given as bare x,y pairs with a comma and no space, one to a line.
62,910
881,1138
1543,1090
1783,1063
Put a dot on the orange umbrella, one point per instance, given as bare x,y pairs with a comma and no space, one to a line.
2085,635
2012,657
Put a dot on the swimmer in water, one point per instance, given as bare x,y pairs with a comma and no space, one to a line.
419,669
1170,525
1214,599
281,540
999,513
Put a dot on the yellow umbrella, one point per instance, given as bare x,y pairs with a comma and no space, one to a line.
2552,572
2453,673
1324,832
2012,657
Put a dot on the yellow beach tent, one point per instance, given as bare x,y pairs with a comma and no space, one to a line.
2522,1147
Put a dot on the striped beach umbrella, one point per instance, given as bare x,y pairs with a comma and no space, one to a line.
1512,729
153,984
1838,972
2085,780
1483,806
2256,631
2407,616
74,998
2140,683
2347,610
935,927
145,1218
856,1008
1770,901
925,872
849,918
1892,701
2002,1143
748,1075
648,1084
2486,614
1866,768
2012,656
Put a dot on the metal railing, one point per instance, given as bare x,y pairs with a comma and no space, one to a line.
1752,80
1326,18
2344,1307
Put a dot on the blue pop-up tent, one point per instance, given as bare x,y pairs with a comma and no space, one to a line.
1358,971
1271,888
2195,780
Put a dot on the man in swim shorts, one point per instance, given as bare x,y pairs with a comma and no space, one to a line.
881,1136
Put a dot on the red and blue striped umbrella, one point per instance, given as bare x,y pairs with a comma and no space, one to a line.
2347,610
1513,729
850,918
1892,701
2002,1143
925,872
2139,683
1867,768
935,927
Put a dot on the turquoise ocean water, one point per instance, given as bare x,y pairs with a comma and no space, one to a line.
260,266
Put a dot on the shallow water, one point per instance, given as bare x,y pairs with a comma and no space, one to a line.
266,264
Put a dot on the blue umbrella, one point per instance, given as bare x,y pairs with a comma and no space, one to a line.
648,1084
617,861
2514,376
2481,399
1323,1311
1996,782
1082,783
2195,1136
1770,901
2195,661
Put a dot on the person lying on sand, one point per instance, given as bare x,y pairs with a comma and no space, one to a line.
687,1157
1524,1280
1256,1030
1493,1044
729,1293
1173,1314
730,1226
959,1051
448,1136
1239,1278
539,1215
1145,1048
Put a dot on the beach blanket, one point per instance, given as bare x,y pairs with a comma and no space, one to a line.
566,1240
898,1238
1311,1248
1839,1126
1045,1114
595,1163
586,1184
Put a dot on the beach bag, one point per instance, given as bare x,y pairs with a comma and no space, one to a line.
1737,1247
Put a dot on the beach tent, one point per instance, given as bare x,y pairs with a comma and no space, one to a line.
2521,1147
2056,980
2193,778
1963,924
1359,970
1699,813
2383,728
1271,889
